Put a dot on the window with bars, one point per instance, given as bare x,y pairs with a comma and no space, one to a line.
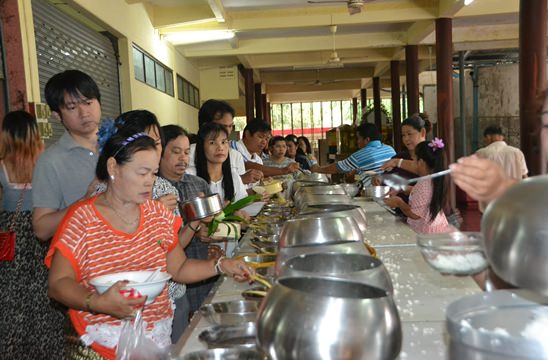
152,72
188,93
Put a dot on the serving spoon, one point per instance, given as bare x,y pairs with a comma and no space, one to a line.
398,183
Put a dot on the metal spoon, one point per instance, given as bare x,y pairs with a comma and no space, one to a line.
397,182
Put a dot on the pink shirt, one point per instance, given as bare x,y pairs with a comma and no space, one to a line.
419,200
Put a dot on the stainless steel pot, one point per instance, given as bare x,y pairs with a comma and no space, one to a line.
318,190
223,354
202,207
516,232
375,192
230,312
319,199
319,230
229,336
339,210
313,177
364,269
314,318
303,183
352,189
500,325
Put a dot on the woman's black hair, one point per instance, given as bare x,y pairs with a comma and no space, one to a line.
136,121
122,147
307,143
435,159
275,139
206,131
418,123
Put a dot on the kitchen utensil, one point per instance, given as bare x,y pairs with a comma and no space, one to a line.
223,354
455,253
364,269
399,183
202,207
230,312
229,336
319,230
351,189
516,233
500,325
256,293
313,177
339,210
317,190
318,318
375,192
319,199
257,261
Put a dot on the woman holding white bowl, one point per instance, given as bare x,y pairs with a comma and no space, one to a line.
122,230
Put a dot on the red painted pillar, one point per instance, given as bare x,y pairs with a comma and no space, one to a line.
354,111
13,50
266,109
412,78
258,102
532,54
444,72
377,102
396,109
249,89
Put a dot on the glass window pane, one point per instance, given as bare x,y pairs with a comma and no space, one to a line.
297,125
149,71
317,120
286,119
326,112
169,82
191,95
138,66
337,116
307,119
347,112
197,97
186,90
160,79
179,88
276,118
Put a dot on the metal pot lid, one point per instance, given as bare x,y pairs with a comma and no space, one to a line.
508,322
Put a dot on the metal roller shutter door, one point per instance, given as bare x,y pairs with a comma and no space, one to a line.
63,43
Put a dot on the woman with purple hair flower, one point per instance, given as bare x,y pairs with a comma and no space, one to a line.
427,198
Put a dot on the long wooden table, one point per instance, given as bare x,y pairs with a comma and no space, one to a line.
421,293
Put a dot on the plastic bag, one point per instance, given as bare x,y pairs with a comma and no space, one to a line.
133,343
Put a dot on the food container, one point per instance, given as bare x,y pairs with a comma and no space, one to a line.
351,189
271,188
230,336
339,210
313,177
258,261
150,289
319,230
318,318
455,253
375,192
500,325
201,207
256,293
364,269
223,354
319,199
230,312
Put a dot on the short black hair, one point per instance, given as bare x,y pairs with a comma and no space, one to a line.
136,121
73,82
417,122
368,130
492,130
171,132
212,110
292,138
257,125
273,140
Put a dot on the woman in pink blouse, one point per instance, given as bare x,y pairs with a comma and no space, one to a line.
427,198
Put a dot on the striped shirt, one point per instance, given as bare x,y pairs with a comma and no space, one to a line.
370,157
94,248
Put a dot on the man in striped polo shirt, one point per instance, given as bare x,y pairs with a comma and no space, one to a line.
371,155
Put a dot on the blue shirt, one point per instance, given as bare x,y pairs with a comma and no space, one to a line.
370,157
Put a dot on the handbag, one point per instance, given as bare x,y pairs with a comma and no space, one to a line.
7,238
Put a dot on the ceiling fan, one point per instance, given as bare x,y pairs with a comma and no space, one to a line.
354,6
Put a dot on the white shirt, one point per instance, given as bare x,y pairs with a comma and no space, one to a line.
236,161
242,149
511,159
216,187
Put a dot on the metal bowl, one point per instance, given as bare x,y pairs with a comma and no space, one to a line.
342,210
515,231
314,318
202,207
375,192
256,293
223,354
230,336
317,190
230,312
500,325
364,269
313,177
455,253
303,183
351,189
319,199
319,230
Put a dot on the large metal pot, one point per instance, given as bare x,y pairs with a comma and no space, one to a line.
375,192
319,230
315,318
516,233
352,189
364,269
341,210
302,183
318,190
313,177
319,199
501,325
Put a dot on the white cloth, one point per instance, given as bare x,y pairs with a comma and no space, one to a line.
236,161
247,156
216,187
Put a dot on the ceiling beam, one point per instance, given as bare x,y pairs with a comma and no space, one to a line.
311,96
448,8
419,31
488,7
271,77
307,87
218,10
192,15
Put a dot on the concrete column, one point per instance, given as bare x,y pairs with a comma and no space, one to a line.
396,110
377,101
266,109
444,72
258,101
249,89
412,78
532,64
354,110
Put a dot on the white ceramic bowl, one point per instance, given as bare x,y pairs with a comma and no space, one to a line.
151,289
